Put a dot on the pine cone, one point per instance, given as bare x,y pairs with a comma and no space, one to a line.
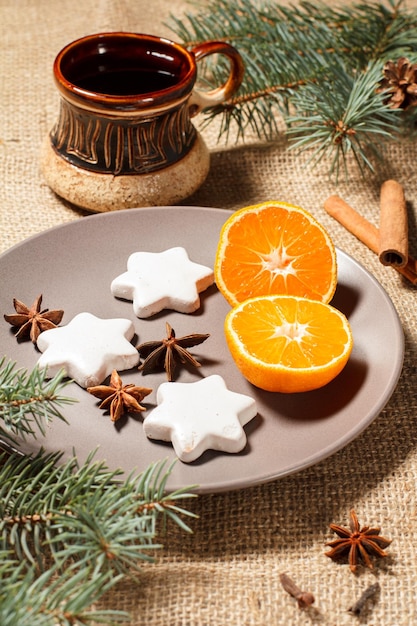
400,83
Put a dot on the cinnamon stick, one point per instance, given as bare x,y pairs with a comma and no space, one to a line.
365,231
393,225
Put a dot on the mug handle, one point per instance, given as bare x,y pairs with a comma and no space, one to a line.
201,100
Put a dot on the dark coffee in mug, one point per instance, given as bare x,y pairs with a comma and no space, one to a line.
125,81
121,66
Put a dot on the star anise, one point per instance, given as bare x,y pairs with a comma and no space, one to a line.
32,321
168,352
359,543
400,83
120,398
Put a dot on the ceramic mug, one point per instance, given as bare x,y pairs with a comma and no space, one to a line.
124,136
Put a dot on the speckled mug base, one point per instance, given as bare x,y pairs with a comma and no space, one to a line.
107,192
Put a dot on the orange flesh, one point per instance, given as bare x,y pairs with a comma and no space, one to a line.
275,249
286,333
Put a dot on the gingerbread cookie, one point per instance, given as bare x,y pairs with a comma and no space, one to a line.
88,348
200,416
162,280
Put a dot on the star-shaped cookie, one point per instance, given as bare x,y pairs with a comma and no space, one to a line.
88,348
200,416
162,280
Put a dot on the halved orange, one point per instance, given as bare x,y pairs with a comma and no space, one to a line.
275,248
288,343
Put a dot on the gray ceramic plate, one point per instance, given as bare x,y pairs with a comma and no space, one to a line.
73,265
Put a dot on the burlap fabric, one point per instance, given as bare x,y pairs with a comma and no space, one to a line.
227,571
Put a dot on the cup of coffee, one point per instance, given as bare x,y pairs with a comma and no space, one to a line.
124,136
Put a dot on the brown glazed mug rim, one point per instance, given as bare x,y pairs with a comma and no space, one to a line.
124,102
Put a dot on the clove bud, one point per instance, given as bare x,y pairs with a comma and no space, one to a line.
359,605
304,598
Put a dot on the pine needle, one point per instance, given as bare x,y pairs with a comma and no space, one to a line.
28,400
308,68
69,531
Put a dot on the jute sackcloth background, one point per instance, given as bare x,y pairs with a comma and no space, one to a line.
227,571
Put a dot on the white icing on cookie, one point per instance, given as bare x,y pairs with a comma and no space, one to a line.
162,280
200,416
88,348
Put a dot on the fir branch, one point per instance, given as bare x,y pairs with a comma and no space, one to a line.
73,531
53,598
33,489
152,496
345,115
103,529
115,528
82,516
28,400
292,55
